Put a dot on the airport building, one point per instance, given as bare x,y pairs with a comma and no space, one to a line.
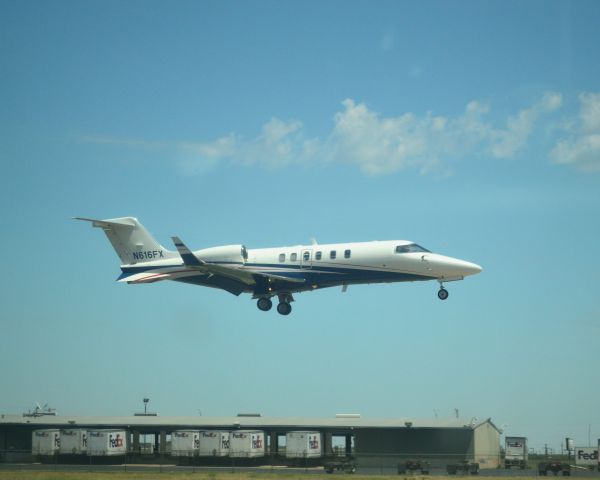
373,442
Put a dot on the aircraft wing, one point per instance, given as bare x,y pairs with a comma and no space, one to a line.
247,277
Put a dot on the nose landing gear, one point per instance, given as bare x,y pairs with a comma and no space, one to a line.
442,292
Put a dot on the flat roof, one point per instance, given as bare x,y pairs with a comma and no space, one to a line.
239,422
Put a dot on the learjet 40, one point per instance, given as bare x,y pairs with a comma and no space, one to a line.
277,272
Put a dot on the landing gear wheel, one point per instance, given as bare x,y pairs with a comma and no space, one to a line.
442,294
284,308
264,304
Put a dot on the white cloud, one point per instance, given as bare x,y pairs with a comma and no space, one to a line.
518,128
362,137
582,148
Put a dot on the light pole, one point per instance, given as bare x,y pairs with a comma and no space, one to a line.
146,400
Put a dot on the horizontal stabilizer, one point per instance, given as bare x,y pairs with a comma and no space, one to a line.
121,222
144,277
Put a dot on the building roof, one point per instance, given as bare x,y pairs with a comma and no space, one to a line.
239,422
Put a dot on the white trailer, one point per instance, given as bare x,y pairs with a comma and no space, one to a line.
303,445
516,453
247,444
185,443
45,442
586,457
73,441
214,443
102,443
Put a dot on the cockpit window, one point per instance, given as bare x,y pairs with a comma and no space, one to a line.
410,248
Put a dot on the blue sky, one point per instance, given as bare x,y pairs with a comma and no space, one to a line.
470,127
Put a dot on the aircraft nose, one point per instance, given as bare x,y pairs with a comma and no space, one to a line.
470,268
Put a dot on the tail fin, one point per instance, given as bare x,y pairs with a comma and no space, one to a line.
132,242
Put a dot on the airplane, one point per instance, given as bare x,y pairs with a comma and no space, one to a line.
276,272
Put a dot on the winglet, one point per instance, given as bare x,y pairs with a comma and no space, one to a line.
186,254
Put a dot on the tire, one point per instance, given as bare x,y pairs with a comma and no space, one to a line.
284,308
442,294
264,304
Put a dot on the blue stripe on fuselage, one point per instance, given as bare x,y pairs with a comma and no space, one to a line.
317,274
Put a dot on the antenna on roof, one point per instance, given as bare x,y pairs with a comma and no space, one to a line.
40,411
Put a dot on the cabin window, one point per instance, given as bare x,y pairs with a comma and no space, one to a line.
347,253
293,257
306,256
318,255
282,257
332,254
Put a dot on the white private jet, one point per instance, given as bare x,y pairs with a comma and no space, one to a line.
281,271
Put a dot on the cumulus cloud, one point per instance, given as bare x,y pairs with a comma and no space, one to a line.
582,147
373,143
519,127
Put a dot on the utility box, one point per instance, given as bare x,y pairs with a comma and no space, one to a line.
185,443
214,443
102,443
303,445
45,442
73,441
516,453
247,444
586,457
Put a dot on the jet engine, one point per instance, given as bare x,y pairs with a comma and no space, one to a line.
224,254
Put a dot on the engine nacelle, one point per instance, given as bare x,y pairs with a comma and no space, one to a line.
226,253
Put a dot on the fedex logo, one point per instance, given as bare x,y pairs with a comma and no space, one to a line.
181,435
148,255
257,441
582,455
115,442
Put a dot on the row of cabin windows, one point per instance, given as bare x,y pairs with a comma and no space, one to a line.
318,255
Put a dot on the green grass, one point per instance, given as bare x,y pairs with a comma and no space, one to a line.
30,475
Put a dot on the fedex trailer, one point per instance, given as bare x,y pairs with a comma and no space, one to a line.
45,442
247,444
515,452
185,443
102,443
73,441
303,445
214,443
586,457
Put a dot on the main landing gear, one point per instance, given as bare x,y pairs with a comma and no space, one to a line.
283,307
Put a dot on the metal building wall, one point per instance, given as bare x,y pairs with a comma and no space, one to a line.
385,447
487,445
